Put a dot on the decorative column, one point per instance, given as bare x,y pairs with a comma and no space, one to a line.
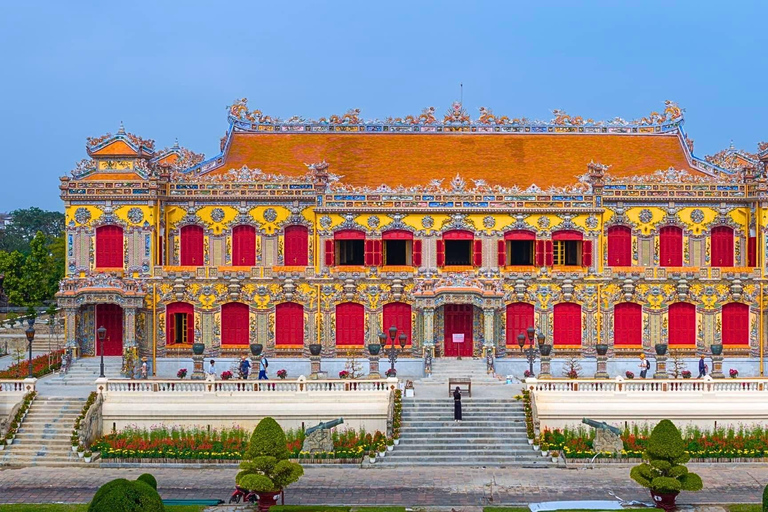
661,361
488,316
717,361
428,315
197,367
70,329
129,328
546,360
602,361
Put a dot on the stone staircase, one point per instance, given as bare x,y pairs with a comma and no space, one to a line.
445,368
85,371
492,433
43,438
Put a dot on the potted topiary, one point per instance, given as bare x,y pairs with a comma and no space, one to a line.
256,348
396,435
390,444
663,470
75,443
128,496
544,449
266,469
372,456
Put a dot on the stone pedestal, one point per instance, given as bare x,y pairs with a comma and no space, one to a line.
661,367
314,365
255,365
374,367
545,373
717,367
602,372
197,372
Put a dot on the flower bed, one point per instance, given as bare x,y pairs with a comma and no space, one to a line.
41,365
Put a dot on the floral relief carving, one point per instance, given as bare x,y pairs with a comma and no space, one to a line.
217,215
270,215
697,216
645,216
135,215
82,215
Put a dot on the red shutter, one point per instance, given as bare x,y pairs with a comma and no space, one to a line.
539,253
289,324
296,243
682,324
170,323
619,246
243,246
586,253
416,253
671,246
567,324
477,253
192,246
519,318
735,321
501,252
350,324
369,250
377,253
627,324
109,247
721,247
329,253
399,315
440,253
752,251
234,324
548,257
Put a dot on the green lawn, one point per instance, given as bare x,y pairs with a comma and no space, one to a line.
84,508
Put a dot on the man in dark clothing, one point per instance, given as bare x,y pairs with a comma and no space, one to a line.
702,367
457,404
245,368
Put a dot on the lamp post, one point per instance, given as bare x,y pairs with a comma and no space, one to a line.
102,332
30,332
403,338
531,351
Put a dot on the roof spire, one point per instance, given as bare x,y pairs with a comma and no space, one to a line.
121,131
176,144
731,147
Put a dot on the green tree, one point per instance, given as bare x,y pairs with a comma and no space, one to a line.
40,279
25,225
12,267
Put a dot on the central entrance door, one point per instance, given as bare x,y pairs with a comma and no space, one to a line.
111,317
458,321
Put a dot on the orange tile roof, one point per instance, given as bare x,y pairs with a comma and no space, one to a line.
500,159
116,148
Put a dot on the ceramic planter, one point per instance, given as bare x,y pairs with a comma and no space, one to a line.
397,441
554,459
535,447
544,453
545,349
390,447
372,460
530,441
198,348
80,455
382,454
717,349
315,349
74,449
661,349
266,499
374,348
2,447
256,349
601,349
87,459
665,501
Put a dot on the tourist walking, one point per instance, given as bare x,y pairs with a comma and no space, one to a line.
245,368
263,365
645,365
702,367
457,405
144,368
212,369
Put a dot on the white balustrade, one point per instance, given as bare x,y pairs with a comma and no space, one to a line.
301,385
14,386
648,385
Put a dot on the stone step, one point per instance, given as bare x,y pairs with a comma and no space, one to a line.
458,461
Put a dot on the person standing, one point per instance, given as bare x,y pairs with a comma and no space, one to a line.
144,368
263,365
457,405
702,367
245,368
645,365
212,369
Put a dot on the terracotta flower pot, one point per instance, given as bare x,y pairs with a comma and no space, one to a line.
256,348
315,349
198,348
661,349
717,349
665,501
266,500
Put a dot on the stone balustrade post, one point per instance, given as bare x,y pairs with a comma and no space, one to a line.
373,361
545,371
255,366
661,367
314,364
602,364
197,371
717,367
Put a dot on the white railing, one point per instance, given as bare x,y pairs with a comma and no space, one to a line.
301,385
17,386
706,385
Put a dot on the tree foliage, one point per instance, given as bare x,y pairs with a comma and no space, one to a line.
25,224
664,471
266,467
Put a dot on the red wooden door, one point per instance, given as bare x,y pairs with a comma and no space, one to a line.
627,324
110,316
399,315
350,324
458,320
192,246
519,319
682,324
289,324
567,324
671,246
722,246
735,324
296,243
109,247
243,246
234,324
619,246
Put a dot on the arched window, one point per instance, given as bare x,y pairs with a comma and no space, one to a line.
721,246
619,246
109,247
682,324
243,246
180,323
567,324
627,324
296,242
735,324
289,325
671,246
519,319
192,246
234,324
397,314
350,324
459,248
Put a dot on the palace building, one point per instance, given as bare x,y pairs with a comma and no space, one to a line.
460,232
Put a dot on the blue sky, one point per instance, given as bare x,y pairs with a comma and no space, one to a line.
169,69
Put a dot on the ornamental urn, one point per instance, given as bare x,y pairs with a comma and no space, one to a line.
601,348
545,349
198,348
256,348
315,349
717,349
374,348
661,349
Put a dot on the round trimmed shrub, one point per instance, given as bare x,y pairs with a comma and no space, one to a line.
123,495
268,439
148,479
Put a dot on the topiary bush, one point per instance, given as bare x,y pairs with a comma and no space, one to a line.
123,495
148,479
266,467
663,471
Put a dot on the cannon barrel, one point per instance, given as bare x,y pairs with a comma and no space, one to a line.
601,425
323,425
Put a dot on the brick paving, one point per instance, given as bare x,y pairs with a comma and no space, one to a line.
433,486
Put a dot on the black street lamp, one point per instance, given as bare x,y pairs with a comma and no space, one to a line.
30,332
403,338
531,351
102,332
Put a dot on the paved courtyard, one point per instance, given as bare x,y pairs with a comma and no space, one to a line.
423,486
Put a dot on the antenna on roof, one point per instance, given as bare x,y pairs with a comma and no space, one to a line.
461,95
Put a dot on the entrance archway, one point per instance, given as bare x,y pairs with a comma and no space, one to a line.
458,330
110,316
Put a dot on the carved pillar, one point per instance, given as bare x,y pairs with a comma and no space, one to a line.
207,322
262,332
70,328
602,361
328,339
373,360
129,327
717,367
197,371
314,365
428,317
545,372
488,317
